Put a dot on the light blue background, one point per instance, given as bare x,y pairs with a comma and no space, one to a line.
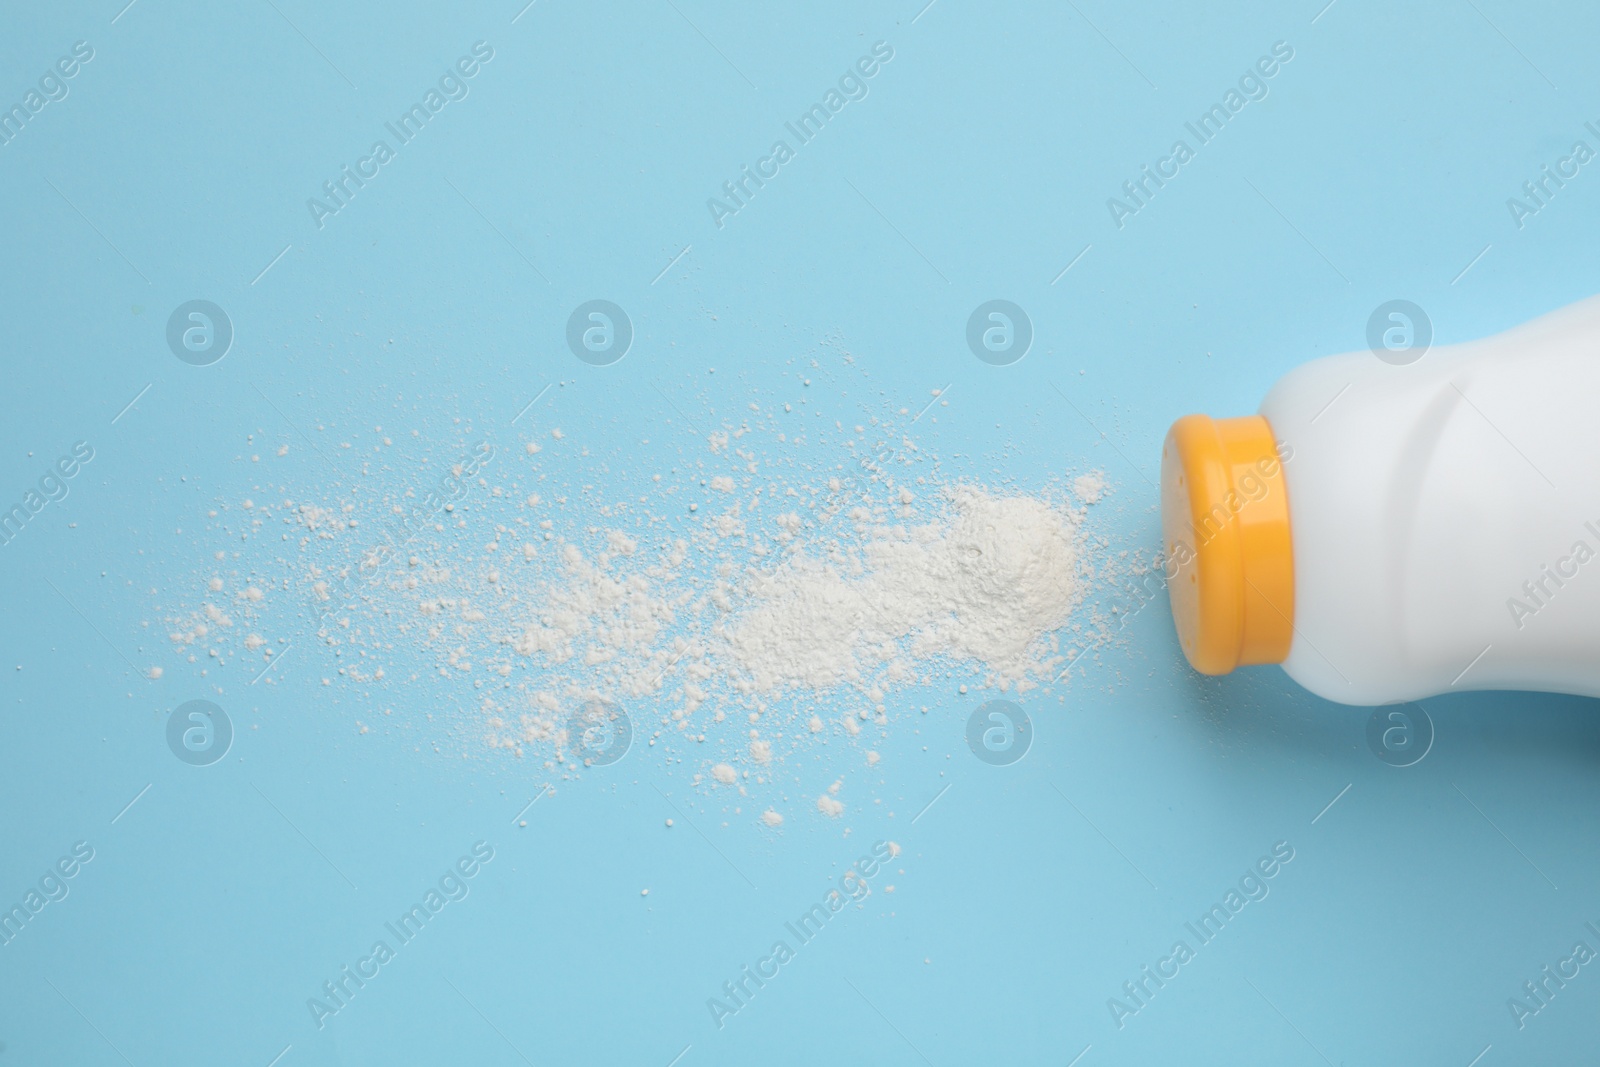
978,167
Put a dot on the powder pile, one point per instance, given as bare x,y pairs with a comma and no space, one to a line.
775,610
902,594
985,581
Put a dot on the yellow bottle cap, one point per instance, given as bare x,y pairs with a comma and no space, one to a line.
1230,558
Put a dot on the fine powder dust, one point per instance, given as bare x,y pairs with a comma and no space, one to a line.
903,595
738,619
985,584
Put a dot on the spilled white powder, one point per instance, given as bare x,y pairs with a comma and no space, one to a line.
1090,487
717,628
764,616
985,582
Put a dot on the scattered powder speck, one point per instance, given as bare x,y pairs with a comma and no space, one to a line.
771,818
1090,487
830,806
724,774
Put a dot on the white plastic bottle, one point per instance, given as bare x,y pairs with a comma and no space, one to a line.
1393,530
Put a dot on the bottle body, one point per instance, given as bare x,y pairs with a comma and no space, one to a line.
1445,515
